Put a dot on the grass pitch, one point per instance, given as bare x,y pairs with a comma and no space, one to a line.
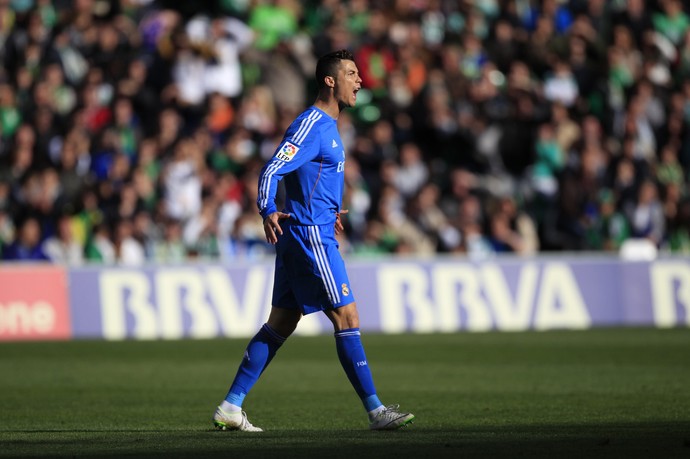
597,393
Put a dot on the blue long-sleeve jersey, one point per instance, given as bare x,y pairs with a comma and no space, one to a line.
311,159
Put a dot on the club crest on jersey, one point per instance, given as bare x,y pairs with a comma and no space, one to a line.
287,151
345,290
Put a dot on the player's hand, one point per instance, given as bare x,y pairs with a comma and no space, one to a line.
272,226
339,228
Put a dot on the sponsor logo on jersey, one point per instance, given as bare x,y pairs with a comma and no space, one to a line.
334,144
287,151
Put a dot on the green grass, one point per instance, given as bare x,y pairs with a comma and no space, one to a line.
598,393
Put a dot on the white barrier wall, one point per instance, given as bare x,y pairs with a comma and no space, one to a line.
393,295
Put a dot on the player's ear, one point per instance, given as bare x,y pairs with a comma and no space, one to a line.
330,81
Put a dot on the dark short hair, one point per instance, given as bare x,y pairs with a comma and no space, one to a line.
328,65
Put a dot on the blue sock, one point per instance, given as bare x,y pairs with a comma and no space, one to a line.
260,351
354,362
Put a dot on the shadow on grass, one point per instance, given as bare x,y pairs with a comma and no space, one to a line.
664,439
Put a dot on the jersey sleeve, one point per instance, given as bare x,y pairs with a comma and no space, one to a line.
290,155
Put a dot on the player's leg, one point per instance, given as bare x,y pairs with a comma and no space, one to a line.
345,320
327,288
348,343
282,321
259,353
341,310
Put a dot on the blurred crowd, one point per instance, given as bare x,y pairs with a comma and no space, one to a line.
133,131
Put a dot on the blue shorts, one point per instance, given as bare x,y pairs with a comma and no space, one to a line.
310,273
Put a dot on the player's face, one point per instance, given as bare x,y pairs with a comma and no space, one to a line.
347,84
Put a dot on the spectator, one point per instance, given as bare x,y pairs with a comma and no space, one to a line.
182,182
550,159
63,96
257,111
580,186
28,245
10,117
69,58
72,182
504,49
474,243
229,38
630,56
220,117
146,232
560,85
128,251
566,130
607,227
408,237
635,17
62,247
670,196
525,240
647,217
7,230
100,248
170,248
426,213
375,240
136,87
669,170
672,21
200,234
679,231
625,182
540,47
374,57
126,127
152,114
273,21
357,200
412,172
684,59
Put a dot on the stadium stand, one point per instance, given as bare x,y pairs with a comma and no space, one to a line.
133,131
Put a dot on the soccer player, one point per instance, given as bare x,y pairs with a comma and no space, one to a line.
310,273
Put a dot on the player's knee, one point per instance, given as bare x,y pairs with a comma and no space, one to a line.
344,317
284,322
284,328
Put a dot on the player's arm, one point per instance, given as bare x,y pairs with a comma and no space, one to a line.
339,228
287,158
272,226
